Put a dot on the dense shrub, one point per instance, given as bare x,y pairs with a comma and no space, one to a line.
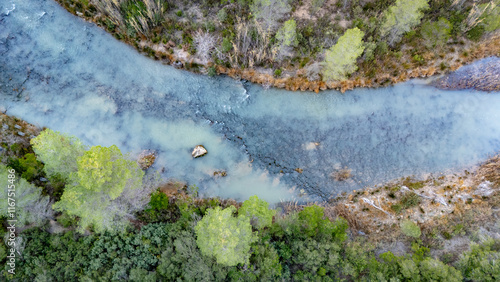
482,263
409,228
28,167
258,212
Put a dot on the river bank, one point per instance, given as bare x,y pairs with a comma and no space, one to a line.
409,59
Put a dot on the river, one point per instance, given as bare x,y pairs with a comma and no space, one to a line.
61,72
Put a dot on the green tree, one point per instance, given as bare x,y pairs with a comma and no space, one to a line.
340,59
482,262
258,212
268,12
436,33
265,260
435,270
225,237
314,224
28,166
401,18
30,205
58,152
287,37
142,275
491,16
102,175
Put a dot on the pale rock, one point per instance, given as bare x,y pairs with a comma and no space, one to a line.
199,151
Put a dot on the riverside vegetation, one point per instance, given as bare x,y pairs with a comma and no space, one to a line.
91,214
304,44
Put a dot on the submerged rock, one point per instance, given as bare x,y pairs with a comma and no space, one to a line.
146,159
221,173
342,174
199,151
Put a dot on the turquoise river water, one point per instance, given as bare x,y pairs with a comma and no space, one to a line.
59,71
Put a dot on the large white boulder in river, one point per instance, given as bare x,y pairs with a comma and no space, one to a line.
199,151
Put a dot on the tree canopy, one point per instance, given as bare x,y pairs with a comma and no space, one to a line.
30,205
491,16
340,59
225,237
401,17
436,33
258,212
102,175
269,12
287,37
58,152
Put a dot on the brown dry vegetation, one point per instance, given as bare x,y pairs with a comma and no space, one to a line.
146,159
449,206
490,171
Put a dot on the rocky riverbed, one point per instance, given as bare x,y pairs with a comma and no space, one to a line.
483,75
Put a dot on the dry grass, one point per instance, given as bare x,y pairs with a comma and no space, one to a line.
490,171
173,188
110,8
355,223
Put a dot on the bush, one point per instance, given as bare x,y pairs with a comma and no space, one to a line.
482,263
28,166
157,205
418,59
222,15
436,33
409,199
396,208
66,220
435,270
226,45
409,228
313,224
476,33
277,73
212,71
258,212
